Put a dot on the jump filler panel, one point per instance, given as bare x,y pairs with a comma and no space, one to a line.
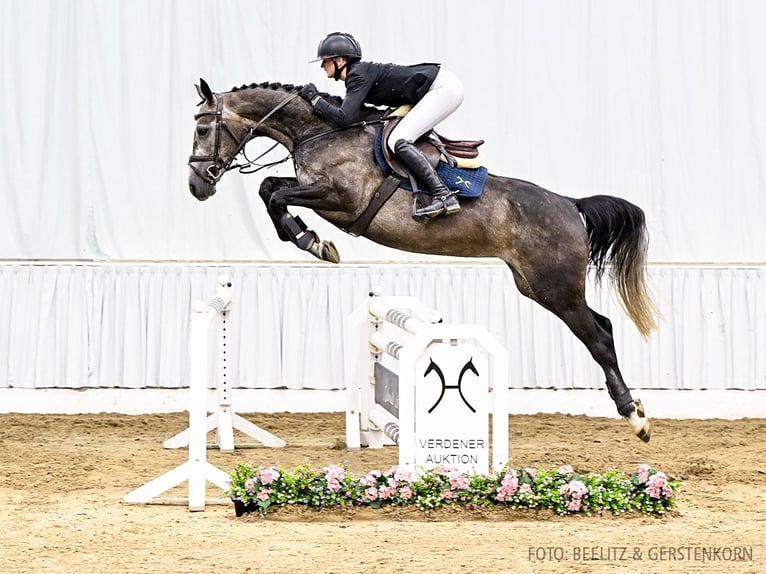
427,386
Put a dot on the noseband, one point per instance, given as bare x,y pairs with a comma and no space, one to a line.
219,166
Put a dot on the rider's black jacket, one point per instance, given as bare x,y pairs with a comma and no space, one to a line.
380,85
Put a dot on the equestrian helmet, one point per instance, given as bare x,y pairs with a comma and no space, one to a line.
339,44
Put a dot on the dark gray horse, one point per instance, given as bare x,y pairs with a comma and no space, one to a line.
540,235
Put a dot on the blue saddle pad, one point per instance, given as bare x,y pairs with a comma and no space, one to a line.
467,182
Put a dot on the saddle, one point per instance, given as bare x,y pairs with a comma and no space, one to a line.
452,155
435,147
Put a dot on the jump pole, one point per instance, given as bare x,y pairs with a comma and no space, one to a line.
359,369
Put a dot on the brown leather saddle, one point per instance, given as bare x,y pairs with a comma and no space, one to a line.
434,146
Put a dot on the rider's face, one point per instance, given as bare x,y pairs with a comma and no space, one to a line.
329,65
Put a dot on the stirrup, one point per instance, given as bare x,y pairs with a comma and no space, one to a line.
444,203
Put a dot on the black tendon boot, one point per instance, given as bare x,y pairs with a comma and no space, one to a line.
443,198
297,232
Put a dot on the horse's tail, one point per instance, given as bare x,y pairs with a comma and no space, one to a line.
618,238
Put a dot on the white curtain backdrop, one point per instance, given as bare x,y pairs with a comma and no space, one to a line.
658,102
103,249
127,325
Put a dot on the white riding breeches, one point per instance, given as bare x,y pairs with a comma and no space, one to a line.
443,97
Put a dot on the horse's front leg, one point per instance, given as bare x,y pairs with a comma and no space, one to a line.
268,187
291,228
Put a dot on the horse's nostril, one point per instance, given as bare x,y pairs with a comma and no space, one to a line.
199,195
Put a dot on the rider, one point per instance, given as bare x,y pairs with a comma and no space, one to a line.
433,92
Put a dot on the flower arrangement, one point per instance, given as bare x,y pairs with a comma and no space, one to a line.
560,490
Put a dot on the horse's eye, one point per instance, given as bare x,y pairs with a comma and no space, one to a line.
202,131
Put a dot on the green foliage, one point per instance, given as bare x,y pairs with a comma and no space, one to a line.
560,490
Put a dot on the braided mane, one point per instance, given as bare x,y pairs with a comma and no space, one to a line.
282,87
336,100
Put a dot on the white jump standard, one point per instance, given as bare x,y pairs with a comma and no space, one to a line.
425,386
207,320
223,420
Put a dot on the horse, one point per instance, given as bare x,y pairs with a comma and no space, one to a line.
549,241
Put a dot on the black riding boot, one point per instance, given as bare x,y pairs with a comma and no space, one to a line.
443,198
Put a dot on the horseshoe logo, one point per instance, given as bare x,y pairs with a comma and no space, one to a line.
433,367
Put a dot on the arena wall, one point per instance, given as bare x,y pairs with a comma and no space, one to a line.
103,250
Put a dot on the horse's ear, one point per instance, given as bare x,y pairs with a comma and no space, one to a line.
204,91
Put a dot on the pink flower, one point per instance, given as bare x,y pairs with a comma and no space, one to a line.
565,469
263,494
334,472
532,472
386,492
334,475
525,489
371,493
370,479
510,475
575,490
457,480
448,495
250,486
508,486
657,486
401,474
268,475
643,473
405,492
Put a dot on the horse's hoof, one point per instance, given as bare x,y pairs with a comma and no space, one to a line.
325,250
639,423
329,253
645,434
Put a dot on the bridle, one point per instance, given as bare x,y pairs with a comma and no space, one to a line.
219,166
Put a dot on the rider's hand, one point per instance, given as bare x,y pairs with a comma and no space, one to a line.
310,93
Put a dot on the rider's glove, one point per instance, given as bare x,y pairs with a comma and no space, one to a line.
310,94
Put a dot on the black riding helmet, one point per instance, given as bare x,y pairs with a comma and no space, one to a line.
339,44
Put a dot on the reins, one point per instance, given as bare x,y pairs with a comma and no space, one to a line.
331,131
251,163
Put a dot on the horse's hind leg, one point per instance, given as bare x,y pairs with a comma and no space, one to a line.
565,297
630,408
